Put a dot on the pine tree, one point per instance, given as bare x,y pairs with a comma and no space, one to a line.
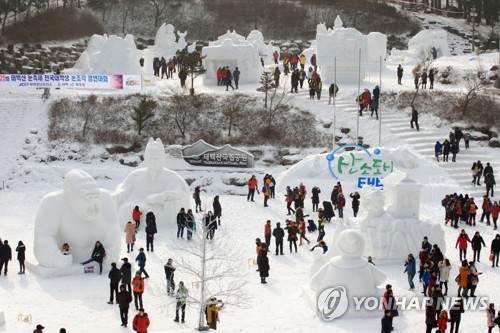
142,112
267,84
193,66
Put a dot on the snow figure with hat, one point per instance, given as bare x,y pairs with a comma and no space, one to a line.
154,188
79,214
349,271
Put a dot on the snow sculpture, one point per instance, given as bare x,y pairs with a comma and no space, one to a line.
319,258
398,231
344,45
265,50
153,188
191,48
165,38
79,215
427,39
181,44
109,55
338,22
349,270
232,52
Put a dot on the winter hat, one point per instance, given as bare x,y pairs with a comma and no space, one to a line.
141,310
463,230
125,259
39,327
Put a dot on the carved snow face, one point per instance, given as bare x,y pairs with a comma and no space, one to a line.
350,244
83,195
154,155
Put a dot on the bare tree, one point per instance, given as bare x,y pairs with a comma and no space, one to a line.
159,7
425,63
234,110
179,108
278,102
216,265
474,83
88,109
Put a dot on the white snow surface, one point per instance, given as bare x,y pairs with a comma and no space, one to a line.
78,302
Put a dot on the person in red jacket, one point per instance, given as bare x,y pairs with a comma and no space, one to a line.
141,322
252,187
462,240
494,214
136,216
365,101
276,57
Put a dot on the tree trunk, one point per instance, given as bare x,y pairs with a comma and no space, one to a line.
230,124
124,21
4,20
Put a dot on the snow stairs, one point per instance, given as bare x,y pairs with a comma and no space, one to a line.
423,141
18,114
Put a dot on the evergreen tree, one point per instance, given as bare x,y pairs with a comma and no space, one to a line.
193,66
143,112
267,84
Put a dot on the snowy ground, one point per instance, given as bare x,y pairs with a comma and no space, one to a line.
79,302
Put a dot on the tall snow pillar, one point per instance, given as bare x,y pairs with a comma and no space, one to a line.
402,195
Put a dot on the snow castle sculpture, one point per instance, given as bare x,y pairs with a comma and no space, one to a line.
344,45
231,49
153,188
394,230
80,214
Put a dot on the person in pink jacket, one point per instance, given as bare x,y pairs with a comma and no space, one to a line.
130,231
490,317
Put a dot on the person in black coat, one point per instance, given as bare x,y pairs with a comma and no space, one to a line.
21,256
279,234
446,150
315,198
5,256
123,299
210,225
430,317
263,264
328,209
197,199
295,81
126,274
454,151
114,279
355,202
456,315
181,222
150,231
495,250
98,255
386,322
477,241
414,118
169,275
217,209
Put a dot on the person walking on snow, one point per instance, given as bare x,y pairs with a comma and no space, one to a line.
252,187
182,295
414,118
461,244
141,262
400,73
437,150
279,234
114,279
169,275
